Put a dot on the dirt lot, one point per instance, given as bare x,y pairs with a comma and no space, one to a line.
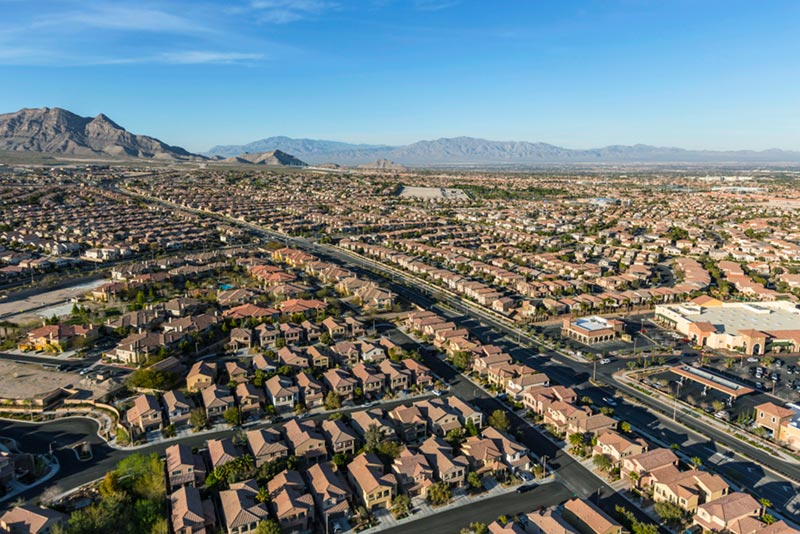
20,381
44,304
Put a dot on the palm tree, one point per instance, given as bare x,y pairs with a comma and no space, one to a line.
696,462
765,503
634,478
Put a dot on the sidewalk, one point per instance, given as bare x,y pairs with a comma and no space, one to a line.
460,498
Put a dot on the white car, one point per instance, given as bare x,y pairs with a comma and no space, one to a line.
752,359
605,361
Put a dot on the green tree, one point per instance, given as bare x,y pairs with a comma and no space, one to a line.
474,480
669,512
263,495
454,437
471,428
462,360
400,505
150,378
268,526
333,401
696,462
625,426
198,419
232,416
602,462
576,439
372,438
439,493
259,378
499,420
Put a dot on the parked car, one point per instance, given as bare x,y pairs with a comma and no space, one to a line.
605,361
609,401
526,488
752,359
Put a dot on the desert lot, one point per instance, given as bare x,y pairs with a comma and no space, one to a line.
45,304
20,381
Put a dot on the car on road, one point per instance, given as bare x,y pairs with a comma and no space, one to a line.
752,359
759,385
605,361
610,401
526,488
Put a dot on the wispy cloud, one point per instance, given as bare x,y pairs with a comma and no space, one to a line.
195,57
285,11
434,5
120,17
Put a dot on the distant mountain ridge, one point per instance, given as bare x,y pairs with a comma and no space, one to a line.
60,132
273,157
470,150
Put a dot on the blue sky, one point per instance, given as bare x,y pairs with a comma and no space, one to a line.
718,74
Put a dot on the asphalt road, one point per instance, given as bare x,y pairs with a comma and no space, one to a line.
64,434
486,510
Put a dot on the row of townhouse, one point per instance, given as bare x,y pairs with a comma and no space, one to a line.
319,492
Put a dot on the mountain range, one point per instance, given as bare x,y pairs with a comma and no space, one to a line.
273,157
470,150
58,132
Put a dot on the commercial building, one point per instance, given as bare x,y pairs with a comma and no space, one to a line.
753,328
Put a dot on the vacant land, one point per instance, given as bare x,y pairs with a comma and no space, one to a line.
433,193
35,307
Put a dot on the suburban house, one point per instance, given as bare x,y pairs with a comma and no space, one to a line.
340,438
331,493
282,393
736,512
312,393
183,466
31,519
305,442
145,415
291,502
448,468
587,518
201,375
410,424
177,407
414,473
374,488
266,445
618,447
239,509
189,513
216,400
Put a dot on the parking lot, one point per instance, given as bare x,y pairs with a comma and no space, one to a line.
778,375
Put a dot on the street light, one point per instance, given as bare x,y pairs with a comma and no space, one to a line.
675,407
